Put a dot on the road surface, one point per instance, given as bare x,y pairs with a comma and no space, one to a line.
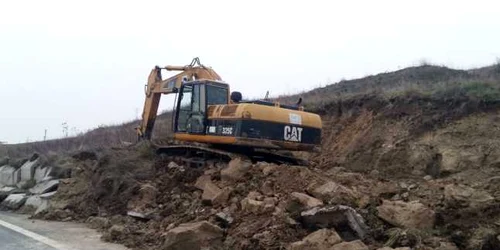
17,232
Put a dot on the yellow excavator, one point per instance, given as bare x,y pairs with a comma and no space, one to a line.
210,121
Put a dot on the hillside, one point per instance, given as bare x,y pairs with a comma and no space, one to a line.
428,82
409,159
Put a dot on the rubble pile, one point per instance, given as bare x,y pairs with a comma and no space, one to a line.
147,202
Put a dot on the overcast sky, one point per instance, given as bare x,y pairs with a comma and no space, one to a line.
86,62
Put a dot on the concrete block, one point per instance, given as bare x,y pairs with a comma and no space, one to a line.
6,191
48,195
14,201
45,187
37,203
56,172
34,201
8,176
40,173
28,169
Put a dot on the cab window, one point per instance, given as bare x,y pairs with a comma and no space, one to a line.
216,95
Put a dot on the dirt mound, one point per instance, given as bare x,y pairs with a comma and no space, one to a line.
261,209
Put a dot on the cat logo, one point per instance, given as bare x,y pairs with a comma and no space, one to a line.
293,134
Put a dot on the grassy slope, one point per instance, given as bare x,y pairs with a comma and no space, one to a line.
426,81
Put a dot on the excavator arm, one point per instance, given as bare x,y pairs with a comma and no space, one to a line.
156,86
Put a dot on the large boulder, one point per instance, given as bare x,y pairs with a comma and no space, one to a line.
322,239
351,245
407,214
40,173
13,201
35,204
8,176
27,171
44,187
235,170
464,196
6,191
334,193
195,236
338,216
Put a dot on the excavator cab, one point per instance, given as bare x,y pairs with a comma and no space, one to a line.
193,100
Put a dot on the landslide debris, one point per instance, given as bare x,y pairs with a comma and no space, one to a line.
149,202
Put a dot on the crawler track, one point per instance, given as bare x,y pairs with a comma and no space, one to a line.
200,156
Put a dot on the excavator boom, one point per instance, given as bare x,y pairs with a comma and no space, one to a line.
157,86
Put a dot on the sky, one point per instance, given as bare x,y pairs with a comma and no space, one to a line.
85,63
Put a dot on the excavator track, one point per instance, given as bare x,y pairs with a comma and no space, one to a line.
201,156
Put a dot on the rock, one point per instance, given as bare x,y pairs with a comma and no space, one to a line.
252,206
390,248
27,171
447,246
306,200
6,191
406,214
267,188
212,194
223,197
57,172
225,218
96,222
40,173
116,231
403,185
255,196
450,160
36,203
140,215
269,204
14,201
45,187
322,239
195,236
48,195
463,196
334,193
374,173
396,197
417,172
7,176
172,165
405,196
235,170
143,205
202,180
427,177
269,169
351,245
335,216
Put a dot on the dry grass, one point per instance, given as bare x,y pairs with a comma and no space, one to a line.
101,137
427,80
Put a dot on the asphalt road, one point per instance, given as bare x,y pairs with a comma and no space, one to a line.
12,240
17,232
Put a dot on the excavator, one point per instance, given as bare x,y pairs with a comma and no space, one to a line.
210,122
